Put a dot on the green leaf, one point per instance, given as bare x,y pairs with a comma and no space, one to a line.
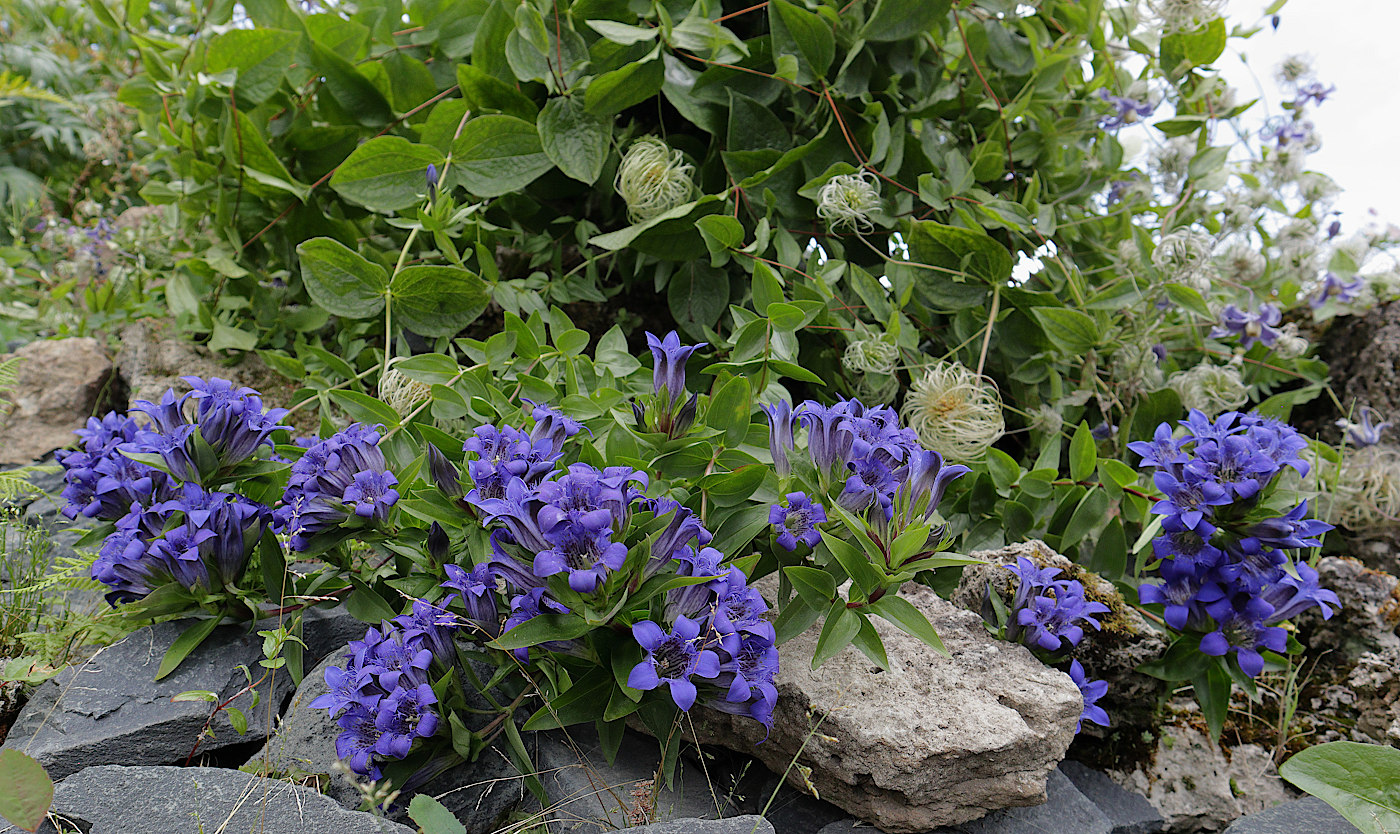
838,631
615,91
433,817
729,410
803,35
386,174
237,720
366,605
1362,781
1190,298
498,154
1185,50
482,91
437,300
814,585
954,249
1069,331
1092,510
366,409
341,281
28,792
187,642
622,33
1213,694
869,643
697,295
1207,162
908,619
853,561
721,233
574,705
355,93
1083,454
897,20
261,57
542,629
574,139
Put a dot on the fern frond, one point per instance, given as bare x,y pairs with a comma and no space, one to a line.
16,87
9,375
12,486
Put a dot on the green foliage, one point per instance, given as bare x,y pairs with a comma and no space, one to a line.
1362,781
29,791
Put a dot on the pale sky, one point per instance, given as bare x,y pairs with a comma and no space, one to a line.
1353,44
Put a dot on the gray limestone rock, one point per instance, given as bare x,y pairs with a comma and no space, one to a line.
108,709
934,741
1308,815
173,800
1367,619
733,825
1197,786
1128,812
61,382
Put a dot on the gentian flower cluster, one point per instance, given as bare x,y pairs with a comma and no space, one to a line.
200,539
1251,327
168,528
337,480
229,425
1226,569
382,698
671,412
561,538
101,482
1126,110
863,457
1049,612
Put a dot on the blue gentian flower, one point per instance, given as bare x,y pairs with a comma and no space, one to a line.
338,478
672,659
1091,691
780,423
797,522
669,358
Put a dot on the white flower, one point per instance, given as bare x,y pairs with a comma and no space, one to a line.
846,201
1293,70
954,411
652,179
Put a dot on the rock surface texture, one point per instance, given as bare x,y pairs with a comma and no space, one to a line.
1369,614
173,800
61,382
934,741
109,710
1308,815
1197,787
1111,654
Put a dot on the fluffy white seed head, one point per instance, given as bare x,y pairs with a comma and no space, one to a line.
1183,254
1175,16
1290,345
1362,491
1293,70
1242,263
653,179
871,356
954,411
846,201
1211,388
401,393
